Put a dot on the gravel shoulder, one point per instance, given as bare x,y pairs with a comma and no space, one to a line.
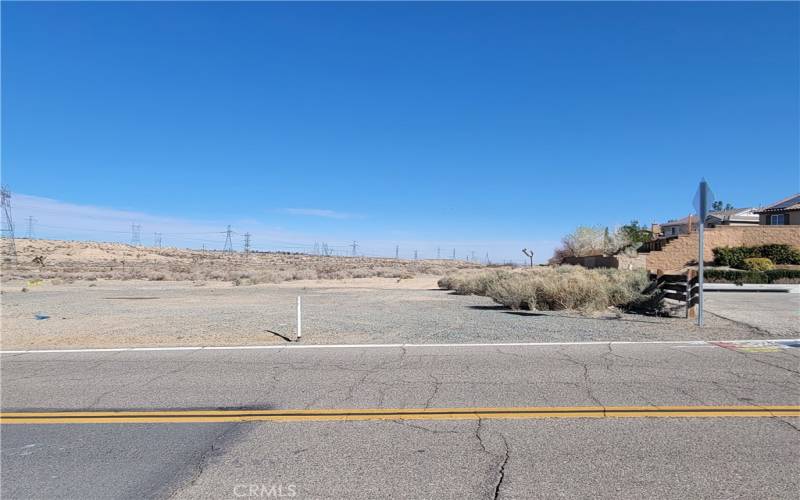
374,310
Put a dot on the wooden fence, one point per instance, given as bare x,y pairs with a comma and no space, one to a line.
684,288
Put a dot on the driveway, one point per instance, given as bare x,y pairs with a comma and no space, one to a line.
774,312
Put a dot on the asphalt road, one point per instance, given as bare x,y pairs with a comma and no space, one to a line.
676,457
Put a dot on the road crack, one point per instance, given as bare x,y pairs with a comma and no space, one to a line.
501,471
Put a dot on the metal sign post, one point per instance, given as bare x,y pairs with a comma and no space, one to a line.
702,200
299,319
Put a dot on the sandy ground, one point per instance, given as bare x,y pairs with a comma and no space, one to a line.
87,260
371,310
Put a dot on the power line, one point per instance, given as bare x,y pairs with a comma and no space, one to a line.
228,248
9,246
31,221
136,234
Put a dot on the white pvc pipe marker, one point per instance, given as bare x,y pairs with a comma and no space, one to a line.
299,318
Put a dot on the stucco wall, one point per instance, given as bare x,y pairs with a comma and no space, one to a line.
682,251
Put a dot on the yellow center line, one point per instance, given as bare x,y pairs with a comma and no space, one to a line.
529,412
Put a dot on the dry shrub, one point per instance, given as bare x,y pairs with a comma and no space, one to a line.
475,282
551,289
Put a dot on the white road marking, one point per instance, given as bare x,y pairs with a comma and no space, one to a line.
676,343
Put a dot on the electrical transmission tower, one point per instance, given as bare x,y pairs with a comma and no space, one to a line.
473,256
228,248
397,251
415,255
157,239
354,245
454,254
246,244
9,246
31,222
136,234
438,253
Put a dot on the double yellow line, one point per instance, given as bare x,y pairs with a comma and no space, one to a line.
533,412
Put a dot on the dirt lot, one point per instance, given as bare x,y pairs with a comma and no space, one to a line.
372,310
87,260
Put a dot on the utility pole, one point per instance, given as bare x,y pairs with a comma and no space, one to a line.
31,221
157,239
397,251
246,244
228,248
354,245
9,247
136,234
529,254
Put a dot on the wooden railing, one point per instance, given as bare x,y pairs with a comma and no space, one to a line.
683,288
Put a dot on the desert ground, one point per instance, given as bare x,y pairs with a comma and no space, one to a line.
70,302
67,261
372,310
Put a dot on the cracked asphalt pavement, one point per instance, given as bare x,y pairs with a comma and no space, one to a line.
725,457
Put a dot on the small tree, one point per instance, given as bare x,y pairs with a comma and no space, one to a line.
585,241
634,235
719,205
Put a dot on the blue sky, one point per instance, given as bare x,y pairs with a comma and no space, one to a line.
485,127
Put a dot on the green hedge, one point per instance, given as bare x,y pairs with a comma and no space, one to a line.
758,264
750,277
735,256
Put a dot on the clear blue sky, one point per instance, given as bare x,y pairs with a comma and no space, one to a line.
486,126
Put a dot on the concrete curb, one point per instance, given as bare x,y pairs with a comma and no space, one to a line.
730,287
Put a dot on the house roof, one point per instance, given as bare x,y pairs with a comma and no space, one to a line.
680,222
735,214
785,205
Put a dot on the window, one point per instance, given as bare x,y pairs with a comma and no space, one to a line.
777,220
672,231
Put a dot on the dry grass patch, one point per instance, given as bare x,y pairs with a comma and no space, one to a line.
552,289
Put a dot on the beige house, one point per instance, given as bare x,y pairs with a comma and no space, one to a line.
677,227
687,225
785,212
